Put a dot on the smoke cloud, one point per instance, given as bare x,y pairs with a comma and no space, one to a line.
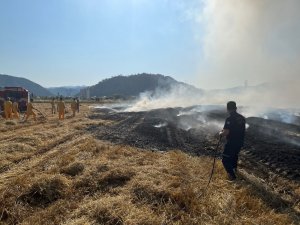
177,96
253,40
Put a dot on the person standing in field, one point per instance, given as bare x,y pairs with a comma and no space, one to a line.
8,109
74,106
77,103
234,131
15,110
61,109
29,111
53,105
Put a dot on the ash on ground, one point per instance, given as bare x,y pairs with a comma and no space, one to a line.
272,145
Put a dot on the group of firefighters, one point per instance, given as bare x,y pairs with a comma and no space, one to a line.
233,130
61,108
11,109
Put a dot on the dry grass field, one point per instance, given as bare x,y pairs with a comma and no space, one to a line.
54,172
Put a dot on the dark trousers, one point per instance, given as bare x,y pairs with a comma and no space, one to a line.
230,158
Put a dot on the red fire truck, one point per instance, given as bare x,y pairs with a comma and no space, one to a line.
19,94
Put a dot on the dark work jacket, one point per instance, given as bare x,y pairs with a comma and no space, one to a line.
235,123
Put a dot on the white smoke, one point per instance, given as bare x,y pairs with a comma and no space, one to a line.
160,125
177,96
254,40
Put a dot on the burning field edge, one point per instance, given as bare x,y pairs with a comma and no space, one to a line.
135,168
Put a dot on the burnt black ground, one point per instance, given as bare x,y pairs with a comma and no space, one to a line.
159,130
270,145
274,144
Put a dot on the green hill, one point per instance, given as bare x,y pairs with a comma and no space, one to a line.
132,85
34,88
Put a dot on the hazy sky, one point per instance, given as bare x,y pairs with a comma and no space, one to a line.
80,42
207,43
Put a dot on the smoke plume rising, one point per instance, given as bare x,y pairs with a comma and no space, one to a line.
254,40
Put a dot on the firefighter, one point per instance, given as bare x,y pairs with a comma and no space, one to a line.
77,103
61,109
74,106
15,110
8,109
29,111
234,131
53,106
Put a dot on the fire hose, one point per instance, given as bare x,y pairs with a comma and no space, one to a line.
41,113
214,162
38,112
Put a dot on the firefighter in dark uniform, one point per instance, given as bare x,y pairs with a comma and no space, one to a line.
234,131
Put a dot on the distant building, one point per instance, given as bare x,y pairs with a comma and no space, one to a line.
85,93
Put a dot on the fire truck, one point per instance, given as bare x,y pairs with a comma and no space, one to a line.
19,94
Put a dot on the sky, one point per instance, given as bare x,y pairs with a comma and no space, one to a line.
81,42
207,43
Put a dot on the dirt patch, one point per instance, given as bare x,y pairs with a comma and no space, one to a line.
159,198
113,180
43,193
103,216
11,123
3,214
4,168
102,168
150,196
73,170
103,182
